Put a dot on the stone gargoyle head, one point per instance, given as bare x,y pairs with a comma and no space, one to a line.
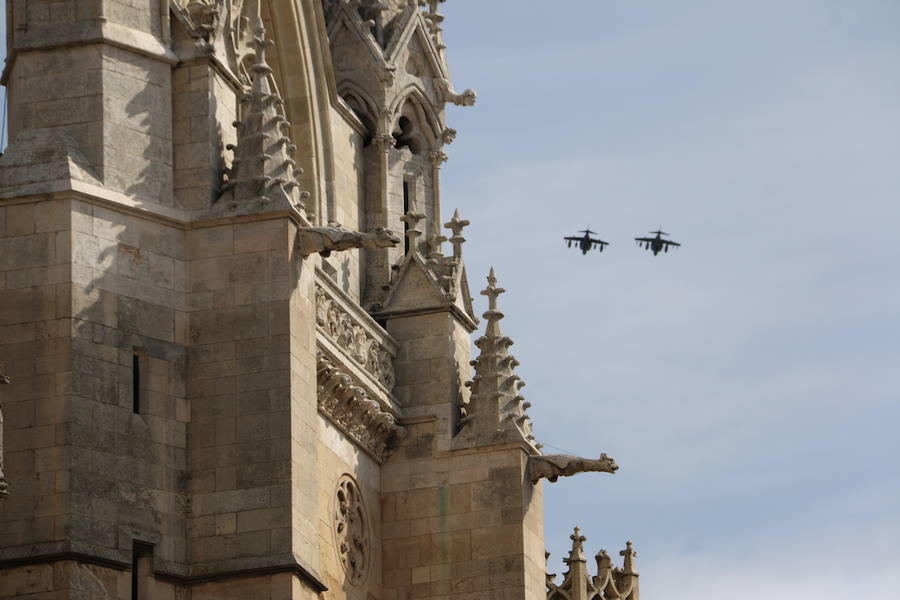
380,238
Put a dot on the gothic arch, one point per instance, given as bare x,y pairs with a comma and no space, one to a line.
414,122
361,104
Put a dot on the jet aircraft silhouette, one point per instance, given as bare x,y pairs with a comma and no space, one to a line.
586,242
656,244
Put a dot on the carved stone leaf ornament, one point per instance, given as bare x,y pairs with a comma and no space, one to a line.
351,410
352,337
351,530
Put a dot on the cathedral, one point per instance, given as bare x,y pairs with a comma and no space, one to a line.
238,348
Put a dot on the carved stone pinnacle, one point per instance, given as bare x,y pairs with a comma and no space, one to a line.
492,292
456,225
412,219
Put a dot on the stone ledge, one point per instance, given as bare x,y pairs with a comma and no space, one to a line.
66,35
292,565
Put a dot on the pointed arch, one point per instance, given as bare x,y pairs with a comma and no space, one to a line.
362,105
413,121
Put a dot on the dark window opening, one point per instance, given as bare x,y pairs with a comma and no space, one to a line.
141,561
136,383
405,212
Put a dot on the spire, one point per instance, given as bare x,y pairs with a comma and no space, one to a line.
496,408
456,225
577,551
263,174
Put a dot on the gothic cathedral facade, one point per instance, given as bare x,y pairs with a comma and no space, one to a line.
236,325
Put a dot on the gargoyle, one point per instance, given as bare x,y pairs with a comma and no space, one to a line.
445,88
552,466
324,240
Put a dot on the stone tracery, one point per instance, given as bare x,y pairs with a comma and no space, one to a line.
351,530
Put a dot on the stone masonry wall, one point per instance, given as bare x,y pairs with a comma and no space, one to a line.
239,381
86,289
204,110
129,467
349,196
35,295
457,523
338,456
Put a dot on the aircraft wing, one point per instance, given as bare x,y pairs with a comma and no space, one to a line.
644,239
670,243
573,239
599,242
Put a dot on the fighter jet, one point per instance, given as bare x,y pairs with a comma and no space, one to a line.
656,244
586,242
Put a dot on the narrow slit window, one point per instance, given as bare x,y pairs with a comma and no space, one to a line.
141,561
405,211
136,383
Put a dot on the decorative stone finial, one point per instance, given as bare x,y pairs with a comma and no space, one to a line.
492,292
456,225
263,174
412,219
577,551
629,554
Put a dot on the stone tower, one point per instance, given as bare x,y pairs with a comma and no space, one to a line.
237,362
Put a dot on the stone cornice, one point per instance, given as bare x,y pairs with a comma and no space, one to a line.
447,307
349,408
67,35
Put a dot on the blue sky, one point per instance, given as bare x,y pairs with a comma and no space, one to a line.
748,384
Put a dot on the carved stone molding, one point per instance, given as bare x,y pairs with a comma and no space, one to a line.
351,531
354,335
353,411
